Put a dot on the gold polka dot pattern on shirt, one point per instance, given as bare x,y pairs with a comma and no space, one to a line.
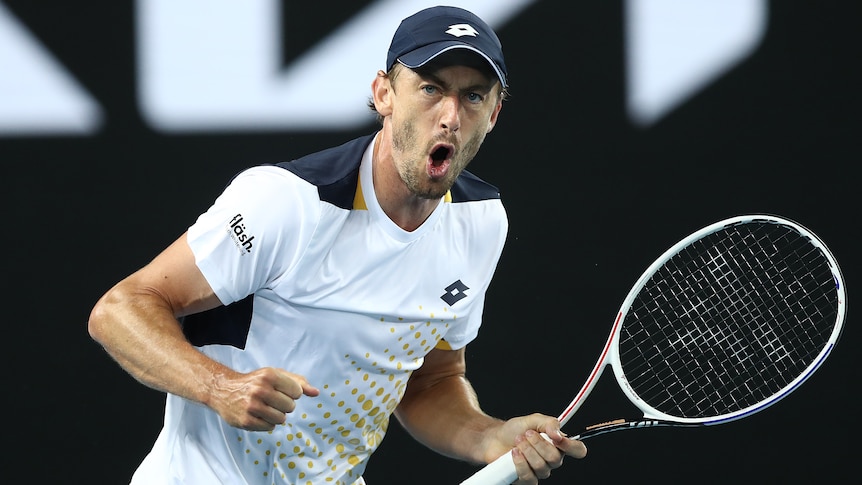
339,429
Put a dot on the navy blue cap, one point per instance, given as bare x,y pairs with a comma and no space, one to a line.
435,30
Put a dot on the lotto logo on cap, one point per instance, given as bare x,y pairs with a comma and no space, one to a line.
433,31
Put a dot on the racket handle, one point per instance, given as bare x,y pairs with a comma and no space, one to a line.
499,472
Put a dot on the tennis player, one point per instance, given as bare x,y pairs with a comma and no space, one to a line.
318,297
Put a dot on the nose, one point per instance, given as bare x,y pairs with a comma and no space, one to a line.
450,118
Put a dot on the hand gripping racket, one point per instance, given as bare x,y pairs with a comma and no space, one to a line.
725,323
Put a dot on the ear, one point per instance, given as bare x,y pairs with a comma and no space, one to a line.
381,92
493,120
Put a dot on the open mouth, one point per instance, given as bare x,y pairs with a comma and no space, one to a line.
438,162
440,155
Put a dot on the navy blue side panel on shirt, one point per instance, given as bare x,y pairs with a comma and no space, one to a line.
226,325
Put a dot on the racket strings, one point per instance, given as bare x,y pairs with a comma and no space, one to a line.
728,321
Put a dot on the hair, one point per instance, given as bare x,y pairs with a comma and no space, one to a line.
392,74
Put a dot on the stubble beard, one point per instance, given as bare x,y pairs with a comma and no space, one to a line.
411,168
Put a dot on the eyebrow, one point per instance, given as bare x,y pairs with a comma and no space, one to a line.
481,87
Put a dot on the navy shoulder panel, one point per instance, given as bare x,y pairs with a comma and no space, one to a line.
334,171
469,188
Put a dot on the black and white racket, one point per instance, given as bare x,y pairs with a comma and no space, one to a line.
725,323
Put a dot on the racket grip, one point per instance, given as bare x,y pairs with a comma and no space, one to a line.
499,472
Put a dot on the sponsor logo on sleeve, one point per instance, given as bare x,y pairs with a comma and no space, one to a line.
238,232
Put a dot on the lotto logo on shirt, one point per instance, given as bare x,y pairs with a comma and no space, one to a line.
237,231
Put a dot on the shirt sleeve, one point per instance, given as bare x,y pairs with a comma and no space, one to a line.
255,231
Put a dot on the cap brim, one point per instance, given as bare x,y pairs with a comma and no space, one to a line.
421,56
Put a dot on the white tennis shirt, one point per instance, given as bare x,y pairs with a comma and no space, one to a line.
341,295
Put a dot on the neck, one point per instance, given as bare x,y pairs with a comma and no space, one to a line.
403,207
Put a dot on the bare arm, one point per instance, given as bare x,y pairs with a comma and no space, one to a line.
440,409
136,322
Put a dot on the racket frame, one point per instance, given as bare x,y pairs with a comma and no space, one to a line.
653,417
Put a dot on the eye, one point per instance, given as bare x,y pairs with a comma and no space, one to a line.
429,89
475,98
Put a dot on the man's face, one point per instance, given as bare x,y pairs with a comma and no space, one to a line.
439,121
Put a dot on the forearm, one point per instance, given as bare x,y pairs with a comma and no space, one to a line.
139,330
446,417
440,409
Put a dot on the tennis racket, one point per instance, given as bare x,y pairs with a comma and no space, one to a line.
725,323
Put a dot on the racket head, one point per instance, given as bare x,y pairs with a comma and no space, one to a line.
757,303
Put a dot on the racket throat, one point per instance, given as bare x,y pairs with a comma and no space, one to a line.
621,424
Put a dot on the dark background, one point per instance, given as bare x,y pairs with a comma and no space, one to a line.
592,200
